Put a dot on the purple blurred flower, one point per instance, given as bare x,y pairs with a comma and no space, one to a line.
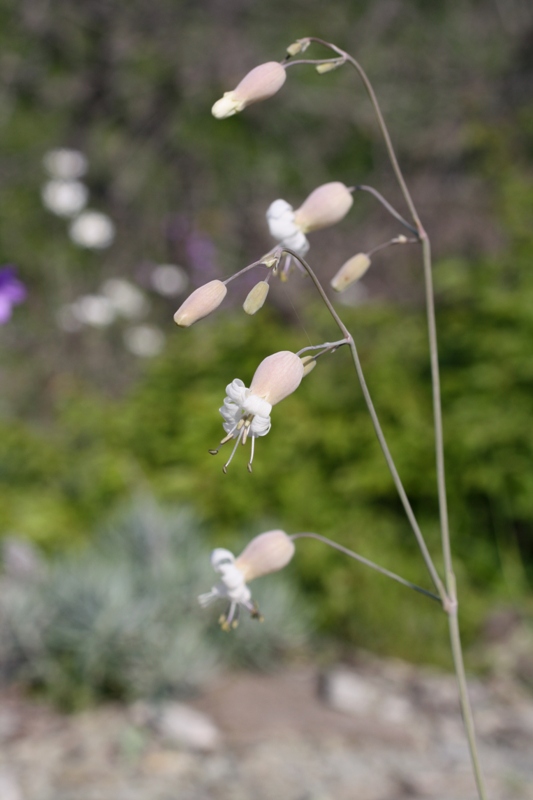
12,292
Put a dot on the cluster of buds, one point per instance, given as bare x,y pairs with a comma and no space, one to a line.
266,553
246,411
325,206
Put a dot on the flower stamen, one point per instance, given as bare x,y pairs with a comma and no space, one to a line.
237,440
249,465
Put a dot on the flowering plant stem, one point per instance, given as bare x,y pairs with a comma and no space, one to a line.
447,592
366,562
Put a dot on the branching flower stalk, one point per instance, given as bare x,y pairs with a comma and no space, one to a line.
246,412
451,605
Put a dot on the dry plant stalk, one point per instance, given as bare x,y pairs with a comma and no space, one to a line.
246,411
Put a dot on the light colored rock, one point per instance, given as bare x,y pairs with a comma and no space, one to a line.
363,696
345,690
9,786
182,725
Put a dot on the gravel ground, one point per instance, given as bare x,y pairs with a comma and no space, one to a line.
379,730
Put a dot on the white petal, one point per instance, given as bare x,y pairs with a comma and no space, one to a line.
297,242
260,426
236,391
209,597
280,218
257,405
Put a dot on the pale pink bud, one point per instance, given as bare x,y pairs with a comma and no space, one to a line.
351,271
325,206
256,297
200,303
277,376
309,363
259,84
267,553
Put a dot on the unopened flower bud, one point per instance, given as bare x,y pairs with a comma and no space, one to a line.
259,84
270,260
200,303
325,206
267,553
277,376
299,46
327,66
350,272
256,297
309,363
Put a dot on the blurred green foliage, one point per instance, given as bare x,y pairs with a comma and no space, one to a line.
82,426
320,468
120,619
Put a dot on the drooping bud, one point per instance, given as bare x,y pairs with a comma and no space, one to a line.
277,376
327,66
259,84
309,363
267,553
325,206
299,46
256,297
200,303
351,271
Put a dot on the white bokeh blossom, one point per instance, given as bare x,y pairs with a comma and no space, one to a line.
64,198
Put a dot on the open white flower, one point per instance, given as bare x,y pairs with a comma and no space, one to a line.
281,224
266,553
325,206
246,412
245,416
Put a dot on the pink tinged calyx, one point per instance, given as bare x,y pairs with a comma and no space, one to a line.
200,303
259,84
325,206
277,376
268,552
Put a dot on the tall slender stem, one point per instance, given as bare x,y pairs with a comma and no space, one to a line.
379,432
449,593
397,480
437,416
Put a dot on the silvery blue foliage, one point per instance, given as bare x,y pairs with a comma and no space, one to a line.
120,618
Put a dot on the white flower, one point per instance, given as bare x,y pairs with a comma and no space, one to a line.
246,412
92,230
266,553
95,310
232,585
65,163
325,206
280,218
145,341
125,297
65,198
169,279
245,416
